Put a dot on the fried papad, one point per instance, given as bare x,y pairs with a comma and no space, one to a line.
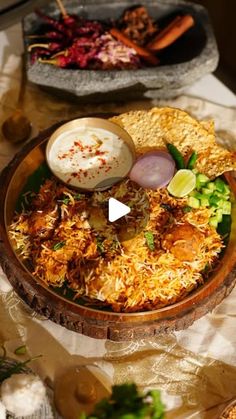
154,128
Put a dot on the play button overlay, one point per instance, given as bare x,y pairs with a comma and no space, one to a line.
116,210
124,207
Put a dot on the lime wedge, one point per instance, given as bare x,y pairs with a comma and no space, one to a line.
183,182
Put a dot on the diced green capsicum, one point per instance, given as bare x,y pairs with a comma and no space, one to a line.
193,202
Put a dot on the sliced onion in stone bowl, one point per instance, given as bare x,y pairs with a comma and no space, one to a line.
153,170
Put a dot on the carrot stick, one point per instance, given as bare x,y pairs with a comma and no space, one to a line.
171,33
143,52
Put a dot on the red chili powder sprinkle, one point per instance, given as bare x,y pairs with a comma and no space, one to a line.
99,153
103,161
78,144
63,156
75,174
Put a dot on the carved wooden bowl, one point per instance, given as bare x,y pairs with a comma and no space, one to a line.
96,323
230,411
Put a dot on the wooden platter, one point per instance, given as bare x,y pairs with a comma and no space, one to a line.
96,323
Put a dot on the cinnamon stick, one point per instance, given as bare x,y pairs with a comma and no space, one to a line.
171,33
143,52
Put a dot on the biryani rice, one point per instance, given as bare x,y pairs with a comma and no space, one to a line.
76,245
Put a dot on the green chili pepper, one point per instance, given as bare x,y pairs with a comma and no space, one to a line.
192,160
177,156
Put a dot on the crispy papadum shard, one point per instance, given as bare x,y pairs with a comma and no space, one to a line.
208,125
152,129
158,126
216,160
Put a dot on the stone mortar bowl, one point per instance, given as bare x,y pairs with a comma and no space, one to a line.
188,59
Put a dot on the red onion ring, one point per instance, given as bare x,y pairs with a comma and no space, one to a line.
153,170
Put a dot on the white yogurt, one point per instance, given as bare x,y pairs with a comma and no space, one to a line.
84,157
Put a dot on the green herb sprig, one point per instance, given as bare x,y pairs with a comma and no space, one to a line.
17,367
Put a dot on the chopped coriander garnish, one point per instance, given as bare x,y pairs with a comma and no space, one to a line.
126,402
77,197
66,200
100,246
149,240
58,245
187,208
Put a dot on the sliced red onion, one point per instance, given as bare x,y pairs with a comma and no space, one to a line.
153,170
